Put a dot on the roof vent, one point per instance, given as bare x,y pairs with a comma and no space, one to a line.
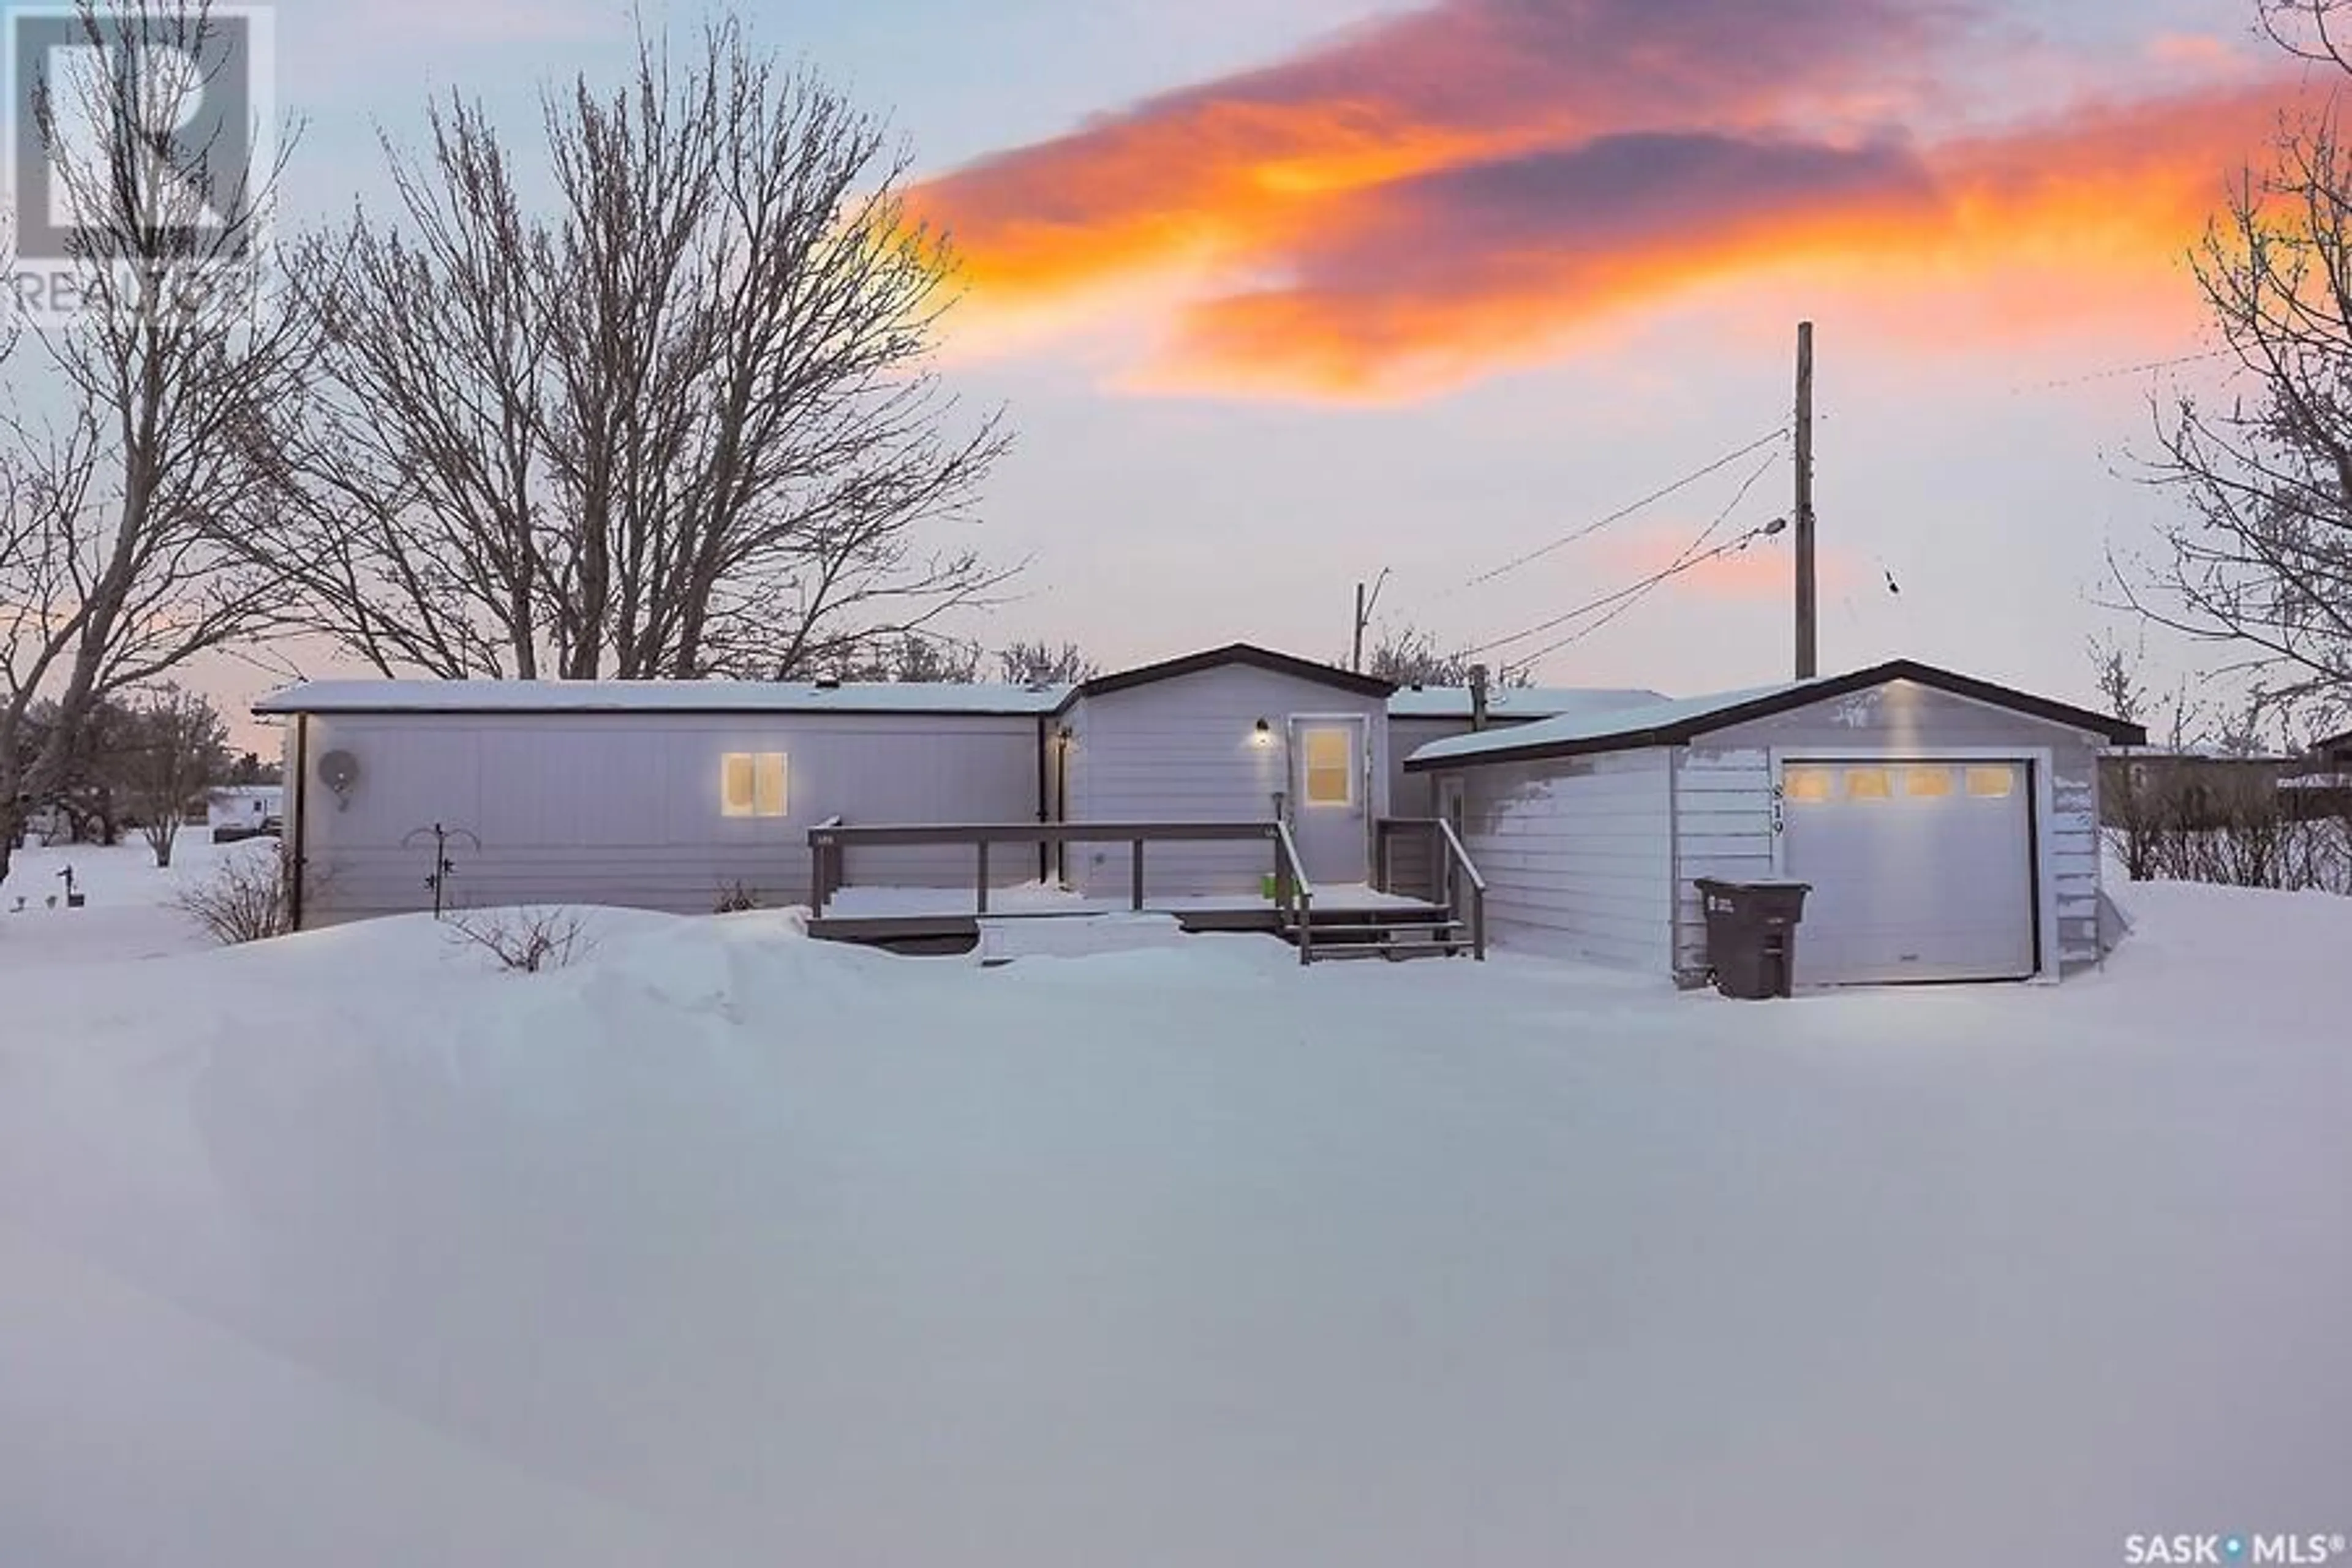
1036,685
828,683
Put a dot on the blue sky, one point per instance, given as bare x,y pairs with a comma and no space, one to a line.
1168,513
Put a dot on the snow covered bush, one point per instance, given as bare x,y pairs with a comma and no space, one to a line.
738,900
524,940
249,897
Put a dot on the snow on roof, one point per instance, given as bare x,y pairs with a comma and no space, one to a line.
799,697
1676,722
1516,702
658,696
1602,723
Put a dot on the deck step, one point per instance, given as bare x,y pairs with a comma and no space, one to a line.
1381,930
1434,934
1395,952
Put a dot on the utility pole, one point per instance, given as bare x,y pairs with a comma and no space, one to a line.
1367,599
1807,587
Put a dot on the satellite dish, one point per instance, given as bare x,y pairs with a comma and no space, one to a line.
338,771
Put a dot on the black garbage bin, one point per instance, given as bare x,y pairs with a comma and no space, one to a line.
1751,936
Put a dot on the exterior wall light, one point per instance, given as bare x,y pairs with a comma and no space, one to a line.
1264,735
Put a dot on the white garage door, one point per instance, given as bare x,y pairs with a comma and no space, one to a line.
1921,870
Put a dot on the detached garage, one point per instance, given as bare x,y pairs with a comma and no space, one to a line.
1949,826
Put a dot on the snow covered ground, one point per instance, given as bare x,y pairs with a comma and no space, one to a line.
129,914
723,1246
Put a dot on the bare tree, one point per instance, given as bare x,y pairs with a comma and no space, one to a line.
1410,657
2259,556
911,657
1044,664
682,425
2122,687
178,751
126,548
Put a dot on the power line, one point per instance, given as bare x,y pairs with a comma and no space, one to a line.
2154,364
1682,563
1622,513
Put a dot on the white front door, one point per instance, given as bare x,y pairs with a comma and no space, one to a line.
1330,788
1921,869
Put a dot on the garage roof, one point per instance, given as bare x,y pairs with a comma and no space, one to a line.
1675,724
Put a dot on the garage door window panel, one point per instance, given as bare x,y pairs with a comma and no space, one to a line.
1868,784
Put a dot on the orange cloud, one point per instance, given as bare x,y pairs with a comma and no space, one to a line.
1472,185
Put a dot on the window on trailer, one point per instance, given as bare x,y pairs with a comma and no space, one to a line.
753,784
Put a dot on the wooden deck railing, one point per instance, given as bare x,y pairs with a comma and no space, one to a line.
1455,879
830,842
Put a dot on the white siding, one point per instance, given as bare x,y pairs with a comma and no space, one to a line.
1577,855
1903,718
1723,829
624,809
1181,749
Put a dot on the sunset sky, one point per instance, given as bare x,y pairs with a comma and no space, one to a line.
1281,293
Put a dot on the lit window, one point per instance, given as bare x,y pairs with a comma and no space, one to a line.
1932,783
1868,784
1992,783
1810,786
751,783
1330,767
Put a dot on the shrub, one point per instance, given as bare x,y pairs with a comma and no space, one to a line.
738,900
524,942
249,897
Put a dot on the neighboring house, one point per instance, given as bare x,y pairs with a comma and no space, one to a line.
663,795
247,809
2321,784
1949,827
2194,787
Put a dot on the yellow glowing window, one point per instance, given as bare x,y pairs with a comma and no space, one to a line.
1868,784
1329,762
753,783
1810,786
1931,783
1992,783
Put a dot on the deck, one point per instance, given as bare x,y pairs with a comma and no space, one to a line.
918,914
1349,920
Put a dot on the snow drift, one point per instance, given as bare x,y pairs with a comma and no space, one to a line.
723,1246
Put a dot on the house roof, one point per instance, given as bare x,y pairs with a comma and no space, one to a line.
1236,652
659,695
1516,702
1675,724
776,696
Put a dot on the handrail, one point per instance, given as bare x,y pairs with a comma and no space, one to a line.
1462,854
1459,854
1289,847
824,867
1290,879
